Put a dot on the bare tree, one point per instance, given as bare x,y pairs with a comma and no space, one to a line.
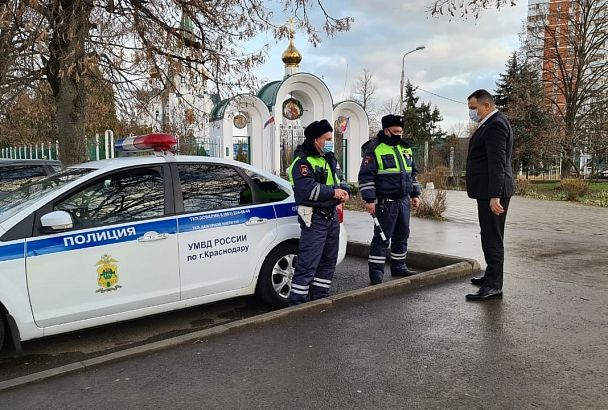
30,118
391,107
364,90
595,140
466,8
460,129
137,45
575,71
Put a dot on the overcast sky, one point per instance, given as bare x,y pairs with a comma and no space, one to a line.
460,56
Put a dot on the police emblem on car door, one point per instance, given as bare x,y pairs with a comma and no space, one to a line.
107,274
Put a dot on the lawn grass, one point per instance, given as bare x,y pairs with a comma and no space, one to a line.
598,195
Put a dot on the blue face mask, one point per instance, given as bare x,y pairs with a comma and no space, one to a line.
473,115
328,147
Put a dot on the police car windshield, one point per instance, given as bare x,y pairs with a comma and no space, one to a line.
14,201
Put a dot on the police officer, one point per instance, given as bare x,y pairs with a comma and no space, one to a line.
315,176
387,178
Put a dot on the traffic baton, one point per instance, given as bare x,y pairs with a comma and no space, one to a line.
377,223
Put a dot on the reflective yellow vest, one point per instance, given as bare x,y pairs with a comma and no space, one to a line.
400,154
316,163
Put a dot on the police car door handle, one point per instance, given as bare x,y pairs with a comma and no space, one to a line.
256,221
153,236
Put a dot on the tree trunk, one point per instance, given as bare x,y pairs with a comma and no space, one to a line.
70,117
66,70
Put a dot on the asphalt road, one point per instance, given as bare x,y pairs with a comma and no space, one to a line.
50,352
423,349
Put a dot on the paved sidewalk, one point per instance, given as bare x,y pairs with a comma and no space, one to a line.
561,240
542,346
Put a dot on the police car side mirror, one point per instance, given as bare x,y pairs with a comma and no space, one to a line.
56,221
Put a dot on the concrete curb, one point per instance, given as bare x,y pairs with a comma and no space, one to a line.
441,268
425,260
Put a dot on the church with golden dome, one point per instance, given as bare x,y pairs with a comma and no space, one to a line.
264,129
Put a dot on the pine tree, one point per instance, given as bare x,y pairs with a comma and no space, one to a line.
519,94
504,86
421,121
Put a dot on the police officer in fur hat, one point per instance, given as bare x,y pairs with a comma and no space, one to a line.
318,187
387,182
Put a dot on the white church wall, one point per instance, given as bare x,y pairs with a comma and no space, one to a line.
257,114
312,92
356,133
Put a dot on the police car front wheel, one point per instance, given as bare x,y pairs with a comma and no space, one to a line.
274,282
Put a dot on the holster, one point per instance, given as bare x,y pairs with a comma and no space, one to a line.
305,213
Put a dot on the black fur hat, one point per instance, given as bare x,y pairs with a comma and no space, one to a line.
392,121
317,128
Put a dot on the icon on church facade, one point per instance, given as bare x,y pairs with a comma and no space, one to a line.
292,109
240,121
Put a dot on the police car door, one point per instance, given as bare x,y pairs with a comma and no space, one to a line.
120,255
222,234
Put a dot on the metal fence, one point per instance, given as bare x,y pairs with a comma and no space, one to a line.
207,147
98,147
43,150
290,138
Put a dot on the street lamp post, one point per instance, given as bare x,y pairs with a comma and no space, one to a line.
402,72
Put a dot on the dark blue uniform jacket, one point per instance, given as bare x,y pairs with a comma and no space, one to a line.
374,185
309,185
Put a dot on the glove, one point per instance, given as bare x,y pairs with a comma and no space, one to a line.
305,213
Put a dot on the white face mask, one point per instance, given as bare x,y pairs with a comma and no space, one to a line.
473,115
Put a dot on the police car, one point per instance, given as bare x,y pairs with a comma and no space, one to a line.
122,238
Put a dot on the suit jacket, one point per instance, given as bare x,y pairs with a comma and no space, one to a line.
489,173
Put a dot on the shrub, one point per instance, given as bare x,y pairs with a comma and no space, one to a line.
355,203
574,188
354,188
432,204
522,186
438,176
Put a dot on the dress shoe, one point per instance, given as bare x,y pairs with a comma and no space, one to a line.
485,293
477,281
402,272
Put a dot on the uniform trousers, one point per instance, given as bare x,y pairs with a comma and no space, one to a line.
394,218
317,258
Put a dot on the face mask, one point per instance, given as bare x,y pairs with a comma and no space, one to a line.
473,115
328,147
395,135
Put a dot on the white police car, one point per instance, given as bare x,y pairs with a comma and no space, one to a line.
122,238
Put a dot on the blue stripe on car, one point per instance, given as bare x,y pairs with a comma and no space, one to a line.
12,251
100,236
286,210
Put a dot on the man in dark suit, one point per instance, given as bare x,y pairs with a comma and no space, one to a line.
490,181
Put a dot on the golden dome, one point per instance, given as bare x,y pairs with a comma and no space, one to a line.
291,56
